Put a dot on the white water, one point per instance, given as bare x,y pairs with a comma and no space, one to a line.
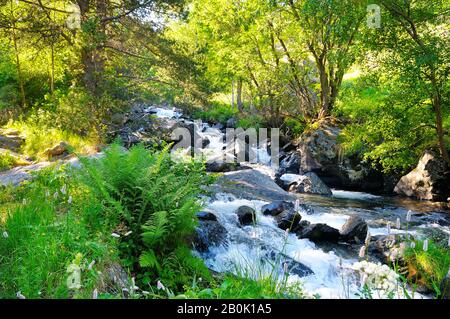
333,276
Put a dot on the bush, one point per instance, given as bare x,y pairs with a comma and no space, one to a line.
216,113
428,267
151,201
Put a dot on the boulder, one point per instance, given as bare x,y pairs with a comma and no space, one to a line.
428,181
246,215
206,216
354,230
319,233
10,139
231,123
321,153
387,248
308,183
290,164
221,167
250,184
209,232
57,150
288,219
277,207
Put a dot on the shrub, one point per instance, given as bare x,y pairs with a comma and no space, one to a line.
151,201
216,113
428,267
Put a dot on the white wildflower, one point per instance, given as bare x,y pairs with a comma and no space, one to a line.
397,224
5,234
128,233
20,296
389,228
91,265
297,205
362,252
160,286
368,238
285,268
133,285
115,235
55,195
413,245
95,294
408,216
145,293
47,193
425,245
69,200
63,189
286,233
448,244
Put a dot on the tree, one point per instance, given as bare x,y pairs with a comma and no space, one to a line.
329,30
416,32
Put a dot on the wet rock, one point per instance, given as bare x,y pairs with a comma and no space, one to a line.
321,153
246,215
221,167
288,219
114,278
308,183
429,180
209,233
57,150
290,164
387,248
354,230
277,207
319,233
301,226
206,216
231,123
285,262
250,184
205,142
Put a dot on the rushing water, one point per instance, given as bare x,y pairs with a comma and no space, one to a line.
333,276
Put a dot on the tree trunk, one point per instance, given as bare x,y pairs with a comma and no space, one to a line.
239,96
437,105
16,52
232,94
52,72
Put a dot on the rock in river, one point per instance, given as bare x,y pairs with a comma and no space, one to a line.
354,230
246,215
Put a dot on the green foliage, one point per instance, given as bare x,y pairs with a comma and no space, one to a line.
42,233
6,161
217,112
428,267
156,200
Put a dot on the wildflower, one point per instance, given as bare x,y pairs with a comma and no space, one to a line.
91,265
448,244
24,201
362,252
286,233
64,189
145,293
389,228
5,234
413,245
128,233
69,200
160,286
297,205
408,216
368,238
133,285
425,245
55,195
397,224
47,193
285,268
448,273
95,294
20,296
115,235
364,278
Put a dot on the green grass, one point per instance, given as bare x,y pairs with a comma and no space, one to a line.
428,267
38,138
216,112
6,161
